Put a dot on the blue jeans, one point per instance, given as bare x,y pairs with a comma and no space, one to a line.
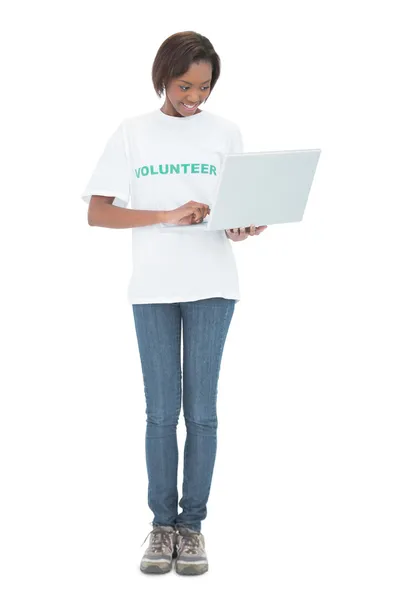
158,328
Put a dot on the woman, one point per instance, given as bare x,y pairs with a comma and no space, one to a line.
182,280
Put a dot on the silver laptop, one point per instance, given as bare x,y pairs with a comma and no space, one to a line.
259,188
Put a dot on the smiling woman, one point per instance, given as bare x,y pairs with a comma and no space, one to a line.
183,286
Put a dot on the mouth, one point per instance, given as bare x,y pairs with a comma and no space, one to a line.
190,108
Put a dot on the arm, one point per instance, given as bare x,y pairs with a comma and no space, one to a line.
101,213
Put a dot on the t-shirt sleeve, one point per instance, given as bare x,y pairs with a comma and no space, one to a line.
111,175
236,145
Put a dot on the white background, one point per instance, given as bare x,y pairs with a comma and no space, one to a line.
305,496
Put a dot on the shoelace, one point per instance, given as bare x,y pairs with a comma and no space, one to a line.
161,537
189,541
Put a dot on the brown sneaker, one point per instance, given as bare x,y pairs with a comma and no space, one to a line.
161,550
191,555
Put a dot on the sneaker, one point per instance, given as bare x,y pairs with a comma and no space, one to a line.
161,550
191,555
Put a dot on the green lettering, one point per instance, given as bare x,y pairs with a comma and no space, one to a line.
170,169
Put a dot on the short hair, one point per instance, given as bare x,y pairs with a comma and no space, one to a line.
177,53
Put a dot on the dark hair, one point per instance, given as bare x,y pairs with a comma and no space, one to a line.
177,53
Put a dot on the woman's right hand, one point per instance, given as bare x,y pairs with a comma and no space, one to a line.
187,214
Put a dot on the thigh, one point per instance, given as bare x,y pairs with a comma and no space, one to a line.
158,331
205,328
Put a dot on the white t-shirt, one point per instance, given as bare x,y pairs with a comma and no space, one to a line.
158,162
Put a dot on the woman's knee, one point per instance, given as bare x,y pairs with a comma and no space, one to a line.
201,424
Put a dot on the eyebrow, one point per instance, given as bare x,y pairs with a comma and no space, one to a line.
190,83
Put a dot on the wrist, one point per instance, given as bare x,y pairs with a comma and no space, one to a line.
162,215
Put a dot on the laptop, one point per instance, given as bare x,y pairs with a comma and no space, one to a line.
259,188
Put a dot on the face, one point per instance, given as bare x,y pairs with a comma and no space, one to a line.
192,88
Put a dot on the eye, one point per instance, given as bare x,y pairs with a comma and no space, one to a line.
185,87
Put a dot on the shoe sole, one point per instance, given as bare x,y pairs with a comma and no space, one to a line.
153,569
191,569
156,569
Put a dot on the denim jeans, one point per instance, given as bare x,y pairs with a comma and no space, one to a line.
159,329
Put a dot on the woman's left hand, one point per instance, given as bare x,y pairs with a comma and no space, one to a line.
239,233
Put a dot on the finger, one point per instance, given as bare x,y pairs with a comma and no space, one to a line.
243,230
252,229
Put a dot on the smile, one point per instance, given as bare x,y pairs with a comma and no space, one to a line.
190,107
